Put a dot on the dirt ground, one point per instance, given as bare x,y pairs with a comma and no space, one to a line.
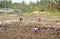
23,30
16,31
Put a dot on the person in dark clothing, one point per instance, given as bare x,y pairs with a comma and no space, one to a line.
20,19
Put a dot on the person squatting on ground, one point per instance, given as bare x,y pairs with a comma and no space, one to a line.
35,30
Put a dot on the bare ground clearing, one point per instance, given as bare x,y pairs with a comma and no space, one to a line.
18,30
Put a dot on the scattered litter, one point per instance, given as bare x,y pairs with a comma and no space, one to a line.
1,28
0,22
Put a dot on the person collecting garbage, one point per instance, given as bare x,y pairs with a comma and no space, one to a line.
39,20
35,30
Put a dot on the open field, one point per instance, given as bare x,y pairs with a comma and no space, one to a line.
29,19
16,31
49,27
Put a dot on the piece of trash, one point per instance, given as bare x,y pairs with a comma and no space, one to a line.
55,29
0,22
48,28
1,28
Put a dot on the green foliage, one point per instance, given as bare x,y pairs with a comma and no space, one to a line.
5,4
43,5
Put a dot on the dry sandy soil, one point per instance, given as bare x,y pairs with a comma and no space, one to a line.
23,30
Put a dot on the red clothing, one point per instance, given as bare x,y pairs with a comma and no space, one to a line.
39,20
36,32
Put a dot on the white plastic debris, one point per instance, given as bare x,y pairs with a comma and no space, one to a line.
0,28
0,22
55,29
48,28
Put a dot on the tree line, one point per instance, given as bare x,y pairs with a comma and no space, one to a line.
43,5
